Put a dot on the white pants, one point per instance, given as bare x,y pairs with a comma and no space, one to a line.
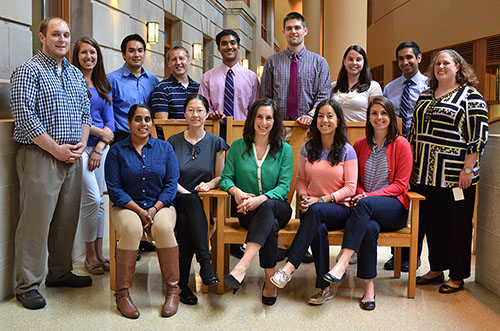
92,202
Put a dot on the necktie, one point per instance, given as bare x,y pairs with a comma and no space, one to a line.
229,94
404,108
293,89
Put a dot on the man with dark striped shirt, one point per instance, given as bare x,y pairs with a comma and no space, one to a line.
167,99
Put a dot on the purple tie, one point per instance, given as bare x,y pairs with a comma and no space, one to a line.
229,94
293,89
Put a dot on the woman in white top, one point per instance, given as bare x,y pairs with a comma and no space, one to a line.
354,87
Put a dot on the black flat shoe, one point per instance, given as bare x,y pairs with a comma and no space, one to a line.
187,297
367,305
208,276
332,279
445,288
232,282
421,280
72,281
268,301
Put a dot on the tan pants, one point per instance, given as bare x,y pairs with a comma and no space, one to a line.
128,225
49,204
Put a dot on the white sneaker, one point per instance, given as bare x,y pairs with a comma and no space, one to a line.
280,278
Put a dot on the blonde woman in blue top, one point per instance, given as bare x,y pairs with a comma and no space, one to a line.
257,174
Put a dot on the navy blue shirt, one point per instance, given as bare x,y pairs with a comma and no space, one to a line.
169,96
144,178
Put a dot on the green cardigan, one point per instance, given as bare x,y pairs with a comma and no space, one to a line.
241,171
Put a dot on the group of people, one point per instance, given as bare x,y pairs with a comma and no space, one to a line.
67,117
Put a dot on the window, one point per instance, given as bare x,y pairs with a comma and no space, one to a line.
263,28
168,45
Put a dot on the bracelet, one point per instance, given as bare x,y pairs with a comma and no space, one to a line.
97,152
333,197
310,115
155,208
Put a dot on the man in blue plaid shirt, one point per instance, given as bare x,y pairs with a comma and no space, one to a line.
50,105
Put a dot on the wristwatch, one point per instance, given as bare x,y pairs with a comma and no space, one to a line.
468,171
320,199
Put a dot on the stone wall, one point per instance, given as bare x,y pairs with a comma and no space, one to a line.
488,224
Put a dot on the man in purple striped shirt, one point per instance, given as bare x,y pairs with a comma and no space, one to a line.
313,73
246,83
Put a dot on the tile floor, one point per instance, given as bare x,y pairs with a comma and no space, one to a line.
93,308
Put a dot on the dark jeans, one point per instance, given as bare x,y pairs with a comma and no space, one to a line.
192,234
371,216
448,227
263,225
314,226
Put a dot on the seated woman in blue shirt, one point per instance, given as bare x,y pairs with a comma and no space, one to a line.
141,175
201,157
257,174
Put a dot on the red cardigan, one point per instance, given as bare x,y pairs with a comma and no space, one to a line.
399,159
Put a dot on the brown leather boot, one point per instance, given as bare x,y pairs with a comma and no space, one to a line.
169,265
125,270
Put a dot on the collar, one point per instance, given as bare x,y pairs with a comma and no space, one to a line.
50,61
150,142
288,52
374,147
126,72
415,78
175,80
234,68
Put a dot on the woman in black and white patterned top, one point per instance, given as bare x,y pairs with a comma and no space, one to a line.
448,135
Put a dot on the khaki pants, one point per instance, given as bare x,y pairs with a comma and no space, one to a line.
49,192
128,225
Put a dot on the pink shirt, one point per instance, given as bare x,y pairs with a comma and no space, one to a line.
320,178
246,89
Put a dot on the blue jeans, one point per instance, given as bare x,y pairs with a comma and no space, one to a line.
314,226
370,216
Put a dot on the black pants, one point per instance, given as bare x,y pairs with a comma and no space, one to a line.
314,226
405,251
263,225
370,216
448,227
192,230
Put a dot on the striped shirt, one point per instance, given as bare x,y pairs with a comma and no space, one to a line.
169,96
314,80
444,131
44,99
376,169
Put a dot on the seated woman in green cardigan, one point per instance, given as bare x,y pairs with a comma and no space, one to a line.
257,174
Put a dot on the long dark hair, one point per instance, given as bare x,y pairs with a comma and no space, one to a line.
393,125
314,146
365,77
98,77
276,134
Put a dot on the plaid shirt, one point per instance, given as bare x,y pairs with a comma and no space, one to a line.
314,80
42,99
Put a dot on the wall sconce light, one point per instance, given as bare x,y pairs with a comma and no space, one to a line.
153,32
245,63
260,71
197,51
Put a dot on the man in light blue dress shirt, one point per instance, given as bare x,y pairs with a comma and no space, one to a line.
130,84
409,56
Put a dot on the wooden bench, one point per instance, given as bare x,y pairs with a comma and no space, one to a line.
229,230
169,127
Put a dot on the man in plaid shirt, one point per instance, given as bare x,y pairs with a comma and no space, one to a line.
50,105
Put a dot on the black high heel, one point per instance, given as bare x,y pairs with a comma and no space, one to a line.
332,279
268,301
232,282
